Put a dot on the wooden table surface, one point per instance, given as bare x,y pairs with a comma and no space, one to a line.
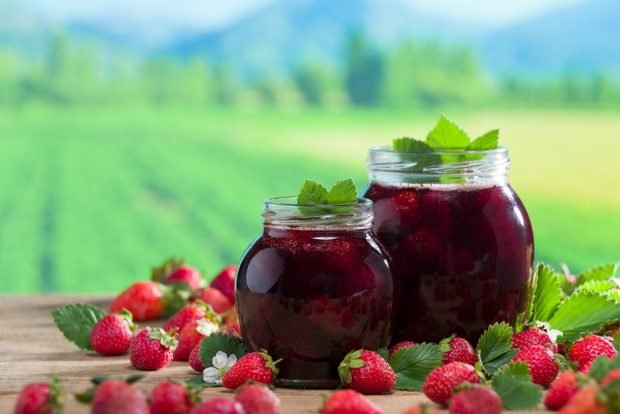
31,348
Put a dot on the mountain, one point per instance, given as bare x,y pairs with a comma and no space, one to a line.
580,38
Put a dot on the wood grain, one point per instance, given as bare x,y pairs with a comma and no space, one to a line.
31,348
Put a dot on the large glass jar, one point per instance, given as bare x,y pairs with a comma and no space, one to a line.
314,286
459,237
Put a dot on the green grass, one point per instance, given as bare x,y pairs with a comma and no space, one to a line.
91,198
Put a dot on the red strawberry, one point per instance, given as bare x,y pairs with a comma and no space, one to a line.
189,313
613,375
151,349
349,402
118,397
225,282
112,334
586,401
476,400
458,350
176,271
143,299
191,336
367,372
543,367
586,350
561,390
233,329
195,361
401,345
422,409
440,383
41,398
218,301
218,405
171,398
255,366
258,399
531,337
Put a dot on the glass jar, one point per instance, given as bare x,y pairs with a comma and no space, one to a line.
459,237
314,286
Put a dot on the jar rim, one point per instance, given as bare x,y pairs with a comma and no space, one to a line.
388,150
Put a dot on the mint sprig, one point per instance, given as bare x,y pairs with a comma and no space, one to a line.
413,364
514,386
447,135
406,144
214,343
486,141
76,321
495,347
313,193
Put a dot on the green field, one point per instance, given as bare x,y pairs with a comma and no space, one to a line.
91,198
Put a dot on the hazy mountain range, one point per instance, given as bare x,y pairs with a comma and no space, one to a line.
584,37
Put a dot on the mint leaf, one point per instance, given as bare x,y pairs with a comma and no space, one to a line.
406,144
447,135
599,273
495,347
413,364
76,321
312,193
343,192
487,141
584,312
228,344
547,294
514,386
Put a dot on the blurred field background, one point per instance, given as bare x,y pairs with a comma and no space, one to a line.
132,132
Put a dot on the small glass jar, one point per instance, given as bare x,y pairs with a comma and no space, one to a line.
314,286
459,237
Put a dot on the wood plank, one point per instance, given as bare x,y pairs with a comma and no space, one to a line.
31,348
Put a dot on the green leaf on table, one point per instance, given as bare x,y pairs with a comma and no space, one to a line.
406,144
604,272
547,294
76,321
343,192
214,343
495,347
584,312
198,382
514,386
312,193
486,141
446,135
413,364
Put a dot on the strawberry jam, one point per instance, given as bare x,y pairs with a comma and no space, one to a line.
462,251
313,288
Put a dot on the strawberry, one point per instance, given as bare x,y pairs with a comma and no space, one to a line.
476,400
585,401
218,301
458,350
112,334
176,271
367,372
401,345
422,409
218,405
531,337
258,399
189,313
41,398
612,375
191,336
233,329
151,349
441,382
255,366
539,359
561,390
225,282
115,396
349,402
586,350
172,398
143,299
195,361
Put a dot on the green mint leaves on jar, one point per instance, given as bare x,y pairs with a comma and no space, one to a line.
315,194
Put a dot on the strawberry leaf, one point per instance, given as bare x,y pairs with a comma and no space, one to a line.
198,382
228,344
604,272
547,294
601,367
76,321
447,135
413,364
584,312
495,347
385,354
406,144
514,386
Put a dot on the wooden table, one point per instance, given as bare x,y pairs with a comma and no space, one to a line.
31,348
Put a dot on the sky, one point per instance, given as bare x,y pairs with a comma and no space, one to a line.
213,14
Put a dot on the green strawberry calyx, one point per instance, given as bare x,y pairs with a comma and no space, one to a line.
166,339
351,361
161,272
270,363
56,399
129,319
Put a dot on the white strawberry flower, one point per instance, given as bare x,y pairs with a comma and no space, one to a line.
207,327
221,364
